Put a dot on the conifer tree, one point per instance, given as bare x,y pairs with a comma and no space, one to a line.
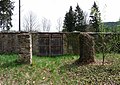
6,8
75,20
79,16
69,21
95,18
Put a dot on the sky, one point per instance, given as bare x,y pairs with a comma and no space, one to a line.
55,9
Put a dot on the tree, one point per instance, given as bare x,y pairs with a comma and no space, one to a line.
85,21
80,19
6,8
95,18
46,24
118,26
75,20
59,24
69,21
30,22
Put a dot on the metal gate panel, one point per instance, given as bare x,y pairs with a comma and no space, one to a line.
50,44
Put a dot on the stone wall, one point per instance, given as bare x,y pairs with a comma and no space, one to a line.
35,43
25,48
71,43
9,42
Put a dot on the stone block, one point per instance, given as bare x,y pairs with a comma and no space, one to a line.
25,48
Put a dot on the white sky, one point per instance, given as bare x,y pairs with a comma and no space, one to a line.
54,9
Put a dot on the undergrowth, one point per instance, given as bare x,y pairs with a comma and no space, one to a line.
59,70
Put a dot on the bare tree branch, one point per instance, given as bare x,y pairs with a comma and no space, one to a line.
30,22
46,24
59,24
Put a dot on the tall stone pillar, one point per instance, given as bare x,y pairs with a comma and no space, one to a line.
87,51
25,48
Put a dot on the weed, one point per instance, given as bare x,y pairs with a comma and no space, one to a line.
59,71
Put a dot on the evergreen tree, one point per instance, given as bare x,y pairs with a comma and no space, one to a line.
95,18
75,20
69,21
6,8
79,15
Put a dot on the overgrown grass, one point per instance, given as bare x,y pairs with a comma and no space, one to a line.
58,71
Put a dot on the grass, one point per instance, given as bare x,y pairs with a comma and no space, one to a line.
58,71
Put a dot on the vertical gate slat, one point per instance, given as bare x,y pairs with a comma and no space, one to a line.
54,45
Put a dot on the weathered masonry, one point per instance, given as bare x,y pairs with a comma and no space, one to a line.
43,44
51,44
25,48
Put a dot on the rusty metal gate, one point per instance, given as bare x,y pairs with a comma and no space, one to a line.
50,44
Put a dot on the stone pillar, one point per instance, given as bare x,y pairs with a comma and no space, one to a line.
25,48
87,51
